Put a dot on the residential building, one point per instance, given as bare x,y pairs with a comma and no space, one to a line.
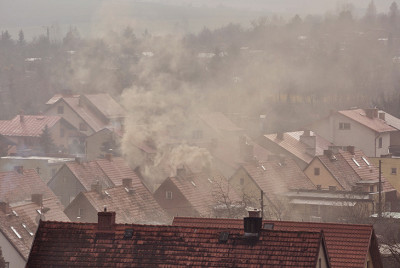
390,167
348,245
273,178
46,167
107,244
301,146
25,132
350,170
133,203
205,193
88,113
378,129
101,143
80,176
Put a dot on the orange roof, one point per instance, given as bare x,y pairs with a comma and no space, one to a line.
28,126
105,104
347,244
17,187
77,244
88,173
360,116
138,206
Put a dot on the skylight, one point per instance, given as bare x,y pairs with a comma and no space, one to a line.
27,229
263,168
365,160
210,180
194,184
16,233
355,162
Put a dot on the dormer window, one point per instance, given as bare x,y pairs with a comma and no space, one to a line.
168,194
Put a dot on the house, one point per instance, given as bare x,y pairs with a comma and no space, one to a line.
350,170
5,145
133,203
301,146
19,222
390,167
25,132
378,129
88,113
46,167
102,142
272,178
107,244
348,245
204,193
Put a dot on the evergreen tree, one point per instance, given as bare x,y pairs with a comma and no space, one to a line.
370,14
46,141
393,14
21,38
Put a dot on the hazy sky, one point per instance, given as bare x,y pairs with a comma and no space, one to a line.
35,16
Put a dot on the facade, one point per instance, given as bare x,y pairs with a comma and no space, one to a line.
390,166
274,177
379,130
83,245
100,143
360,249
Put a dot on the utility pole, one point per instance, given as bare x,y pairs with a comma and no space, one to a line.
380,190
262,203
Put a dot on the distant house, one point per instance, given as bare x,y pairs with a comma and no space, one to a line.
82,176
205,194
107,244
378,129
390,166
348,245
25,132
350,171
274,177
132,202
89,113
301,146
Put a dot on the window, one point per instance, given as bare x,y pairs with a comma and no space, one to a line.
168,195
365,160
82,127
60,109
371,189
394,171
241,181
62,132
344,126
80,212
380,142
355,162
316,171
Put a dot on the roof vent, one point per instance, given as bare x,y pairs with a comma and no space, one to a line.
223,237
128,233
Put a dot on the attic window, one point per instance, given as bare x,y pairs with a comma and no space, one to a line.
365,160
16,233
355,162
223,237
128,233
168,194
194,184
27,229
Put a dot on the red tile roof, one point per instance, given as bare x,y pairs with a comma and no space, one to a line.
137,207
16,187
348,173
31,126
292,144
276,176
347,244
204,190
106,105
360,116
89,173
77,244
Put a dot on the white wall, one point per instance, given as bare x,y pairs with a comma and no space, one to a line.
10,254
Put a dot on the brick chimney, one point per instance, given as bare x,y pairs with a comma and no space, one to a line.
37,199
328,153
5,207
21,116
371,113
108,156
351,149
309,141
96,187
127,182
19,169
106,220
381,115
252,224
181,171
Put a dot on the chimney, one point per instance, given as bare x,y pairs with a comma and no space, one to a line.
5,207
96,187
108,156
127,183
328,153
371,113
79,159
21,116
382,116
252,224
279,135
19,169
37,199
106,220
181,171
351,149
